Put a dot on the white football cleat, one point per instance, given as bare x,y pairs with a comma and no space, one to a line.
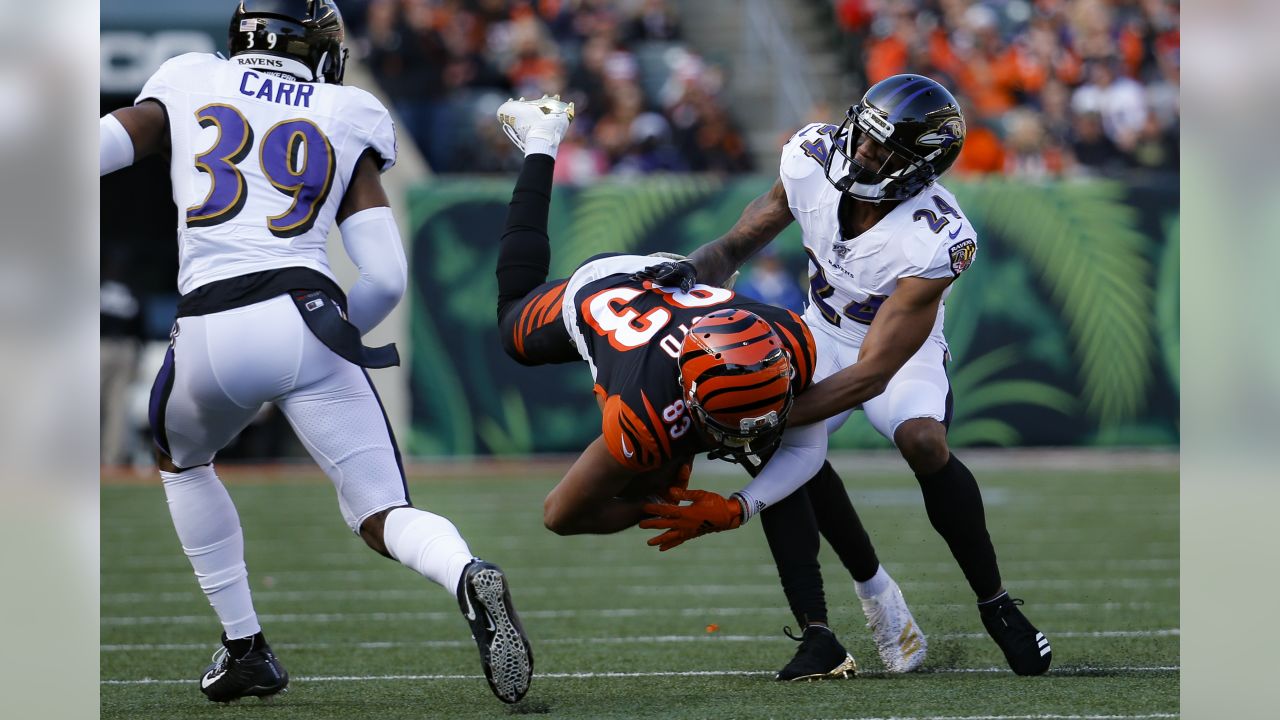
546,118
899,641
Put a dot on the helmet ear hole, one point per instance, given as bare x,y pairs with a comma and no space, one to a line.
917,120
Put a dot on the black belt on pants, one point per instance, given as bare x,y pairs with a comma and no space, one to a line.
319,300
330,324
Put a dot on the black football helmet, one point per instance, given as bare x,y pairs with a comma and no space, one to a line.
301,37
916,120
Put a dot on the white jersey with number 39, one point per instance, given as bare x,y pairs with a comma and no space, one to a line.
925,236
260,162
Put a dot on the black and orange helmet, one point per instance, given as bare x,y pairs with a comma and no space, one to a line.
736,377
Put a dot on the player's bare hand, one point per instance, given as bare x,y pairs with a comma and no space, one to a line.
707,512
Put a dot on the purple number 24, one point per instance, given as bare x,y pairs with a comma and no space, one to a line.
295,156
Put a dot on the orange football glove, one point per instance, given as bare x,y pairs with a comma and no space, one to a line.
680,483
708,513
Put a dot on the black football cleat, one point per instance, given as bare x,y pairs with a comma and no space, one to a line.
1025,648
505,653
243,668
819,657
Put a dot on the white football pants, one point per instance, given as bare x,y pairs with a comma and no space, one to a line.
222,367
920,389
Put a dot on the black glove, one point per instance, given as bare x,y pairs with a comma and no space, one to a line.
667,274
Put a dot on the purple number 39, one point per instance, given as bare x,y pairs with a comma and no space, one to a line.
295,156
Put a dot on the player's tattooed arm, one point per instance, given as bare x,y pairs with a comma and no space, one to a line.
586,500
760,222
901,326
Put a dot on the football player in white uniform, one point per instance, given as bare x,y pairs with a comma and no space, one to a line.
267,151
885,241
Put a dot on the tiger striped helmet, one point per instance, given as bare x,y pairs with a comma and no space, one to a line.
736,377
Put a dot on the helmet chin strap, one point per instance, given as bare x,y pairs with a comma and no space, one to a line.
866,191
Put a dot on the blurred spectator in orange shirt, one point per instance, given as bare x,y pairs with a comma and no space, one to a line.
983,153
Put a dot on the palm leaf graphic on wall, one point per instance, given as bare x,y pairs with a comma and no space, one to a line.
1084,244
607,217
616,216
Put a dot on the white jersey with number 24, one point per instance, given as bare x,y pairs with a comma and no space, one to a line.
925,236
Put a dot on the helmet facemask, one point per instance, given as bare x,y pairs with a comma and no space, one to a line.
900,174
752,437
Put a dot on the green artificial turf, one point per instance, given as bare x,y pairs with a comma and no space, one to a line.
623,631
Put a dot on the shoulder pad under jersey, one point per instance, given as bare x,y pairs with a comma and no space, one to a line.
937,249
801,166
372,120
174,73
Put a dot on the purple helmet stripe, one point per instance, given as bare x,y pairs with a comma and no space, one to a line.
905,86
897,111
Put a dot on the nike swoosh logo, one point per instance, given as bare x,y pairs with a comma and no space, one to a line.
206,681
957,232
625,451
471,614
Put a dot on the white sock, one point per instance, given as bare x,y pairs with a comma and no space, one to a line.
544,146
428,544
209,530
544,138
876,585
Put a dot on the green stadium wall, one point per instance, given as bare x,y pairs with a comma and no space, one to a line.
1063,332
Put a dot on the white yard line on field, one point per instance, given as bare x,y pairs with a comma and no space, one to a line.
171,562
658,587
1022,717
667,673
638,639
709,613
263,595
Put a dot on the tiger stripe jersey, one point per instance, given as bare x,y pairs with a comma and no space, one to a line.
545,309
633,332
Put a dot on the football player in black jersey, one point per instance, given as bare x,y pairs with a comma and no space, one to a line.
678,371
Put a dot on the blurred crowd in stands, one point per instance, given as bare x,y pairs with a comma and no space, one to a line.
1050,88
645,101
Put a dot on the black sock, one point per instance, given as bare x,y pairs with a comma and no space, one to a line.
240,647
525,256
840,524
792,531
986,607
954,504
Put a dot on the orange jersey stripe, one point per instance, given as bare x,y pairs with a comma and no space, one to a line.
630,442
656,424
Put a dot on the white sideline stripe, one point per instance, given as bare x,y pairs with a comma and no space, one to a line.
666,673
652,639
